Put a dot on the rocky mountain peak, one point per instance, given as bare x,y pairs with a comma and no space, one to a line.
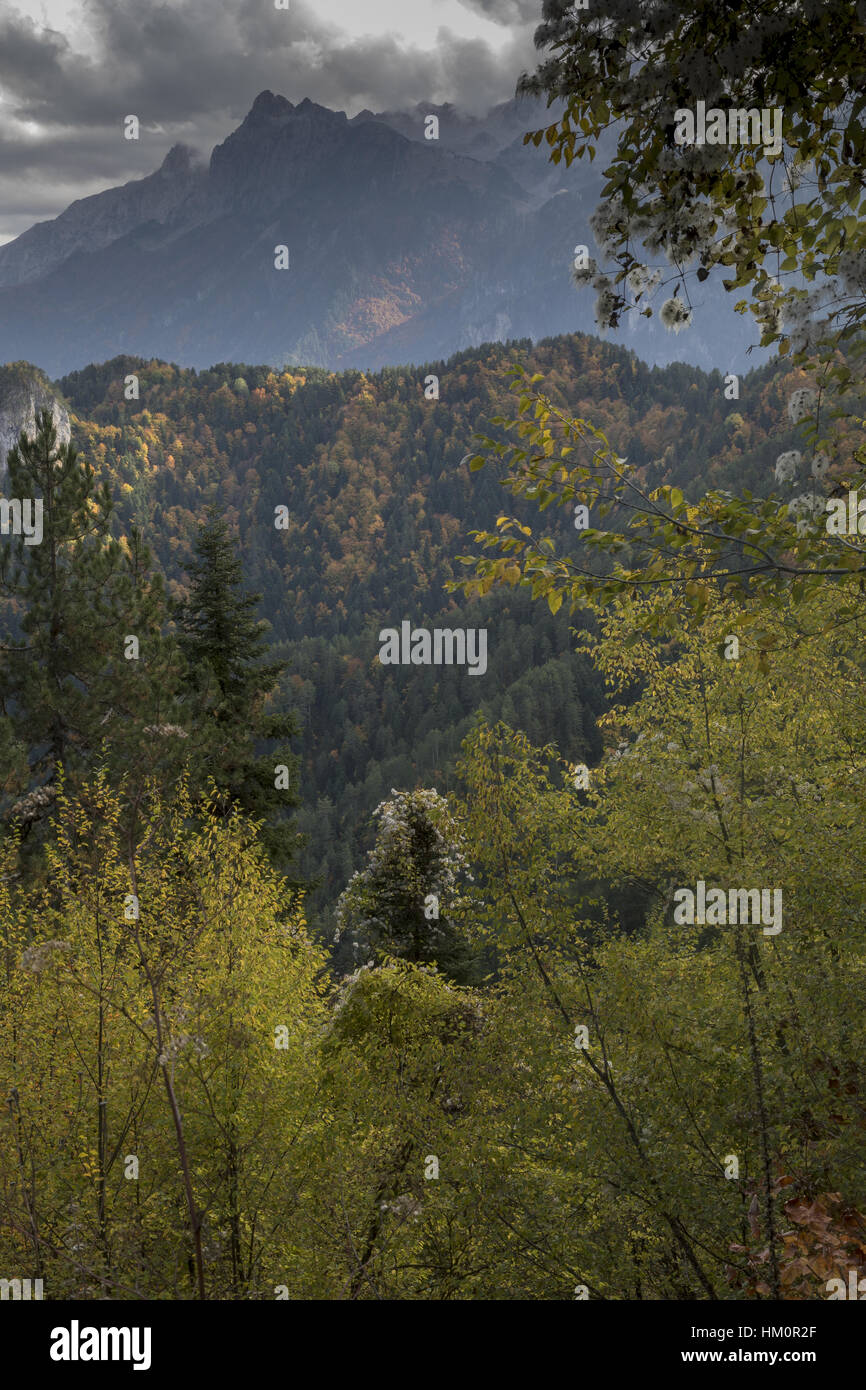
267,106
181,159
275,141
270,113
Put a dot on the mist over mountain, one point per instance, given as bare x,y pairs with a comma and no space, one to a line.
401,249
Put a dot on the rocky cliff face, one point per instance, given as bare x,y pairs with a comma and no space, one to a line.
24,392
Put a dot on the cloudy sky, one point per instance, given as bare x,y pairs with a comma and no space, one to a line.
70,70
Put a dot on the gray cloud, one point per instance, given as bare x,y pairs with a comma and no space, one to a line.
506,11
191,72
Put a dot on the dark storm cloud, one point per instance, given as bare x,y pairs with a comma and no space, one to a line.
190,72
384,76
28,58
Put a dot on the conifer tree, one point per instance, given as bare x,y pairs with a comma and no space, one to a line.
230,686
403,902
87,676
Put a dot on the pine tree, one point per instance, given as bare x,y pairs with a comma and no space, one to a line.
87,677
231,688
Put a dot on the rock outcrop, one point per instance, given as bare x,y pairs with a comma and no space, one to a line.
24,392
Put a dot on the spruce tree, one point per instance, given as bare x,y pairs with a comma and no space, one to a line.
232,688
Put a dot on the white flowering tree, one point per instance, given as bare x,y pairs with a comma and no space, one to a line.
403,901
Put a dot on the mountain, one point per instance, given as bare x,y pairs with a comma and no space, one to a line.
496,138
91,224
400,249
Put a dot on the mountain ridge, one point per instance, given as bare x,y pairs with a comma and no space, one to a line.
399,249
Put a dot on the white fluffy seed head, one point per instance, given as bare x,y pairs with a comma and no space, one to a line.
805,509
675,315
801,404
787,465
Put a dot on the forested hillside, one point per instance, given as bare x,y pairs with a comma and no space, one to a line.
380,502
525,1073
